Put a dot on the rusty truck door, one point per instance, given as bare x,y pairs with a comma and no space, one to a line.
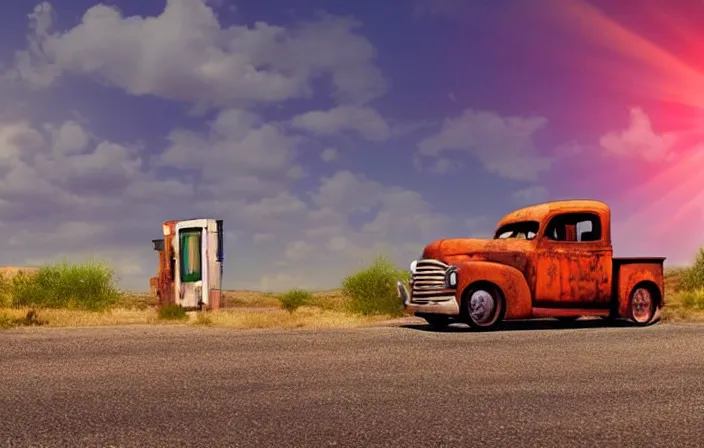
550,270
574,263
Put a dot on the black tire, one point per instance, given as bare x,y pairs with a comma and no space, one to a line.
474,307
438,322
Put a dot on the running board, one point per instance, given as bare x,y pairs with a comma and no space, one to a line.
567,312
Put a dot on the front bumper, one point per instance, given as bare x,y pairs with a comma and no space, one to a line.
439,305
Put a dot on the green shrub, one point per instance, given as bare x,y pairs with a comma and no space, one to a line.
5,291
693,299
294,299
373,290
87,286
171,311
692,278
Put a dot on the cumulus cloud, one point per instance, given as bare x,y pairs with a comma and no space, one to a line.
365,121
531,195
185,54
77,195
67,192
329,155
240,151
397,212
503,145
639,139
64,193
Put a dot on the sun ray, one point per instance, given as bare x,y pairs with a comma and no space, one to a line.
673,80
674,192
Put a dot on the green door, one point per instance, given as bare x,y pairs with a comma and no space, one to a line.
190,257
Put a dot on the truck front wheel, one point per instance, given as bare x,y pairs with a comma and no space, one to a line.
483,307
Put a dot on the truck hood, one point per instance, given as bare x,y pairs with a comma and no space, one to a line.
510,251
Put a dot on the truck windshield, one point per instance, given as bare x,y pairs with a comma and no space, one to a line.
525,230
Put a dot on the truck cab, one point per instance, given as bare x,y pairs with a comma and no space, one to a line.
548,260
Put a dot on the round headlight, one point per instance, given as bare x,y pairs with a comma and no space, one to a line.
414,263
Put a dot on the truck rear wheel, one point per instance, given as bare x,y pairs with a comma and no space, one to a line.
483,307
642,305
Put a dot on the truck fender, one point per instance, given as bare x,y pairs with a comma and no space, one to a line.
509,280
633,274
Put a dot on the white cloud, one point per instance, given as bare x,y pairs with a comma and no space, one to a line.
69,138
329,155
259,238
319,242
531,195
297,250
64,194
398,213
504,145
480,227
240,152
185,54
346,192
639,139
367,122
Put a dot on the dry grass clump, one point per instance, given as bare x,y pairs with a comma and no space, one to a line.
304,317
82,318
684,292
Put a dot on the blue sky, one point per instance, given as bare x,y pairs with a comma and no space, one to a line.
327,132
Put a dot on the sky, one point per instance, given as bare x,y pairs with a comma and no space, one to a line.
327,132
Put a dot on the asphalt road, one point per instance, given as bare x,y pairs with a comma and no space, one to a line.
538,385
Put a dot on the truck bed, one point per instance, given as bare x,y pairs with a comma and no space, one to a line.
618,261
631,271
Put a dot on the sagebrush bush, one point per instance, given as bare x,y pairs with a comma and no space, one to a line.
204,319
87,286
171,311
294,299
693,299
5,291
373,290
692,278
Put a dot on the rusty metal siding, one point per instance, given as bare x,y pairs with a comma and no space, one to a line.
569,273
163,284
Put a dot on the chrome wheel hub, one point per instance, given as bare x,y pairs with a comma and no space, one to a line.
642,305
482,307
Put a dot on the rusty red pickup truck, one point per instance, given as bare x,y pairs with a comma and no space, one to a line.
551,260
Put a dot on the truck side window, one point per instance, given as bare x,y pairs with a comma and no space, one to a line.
575,227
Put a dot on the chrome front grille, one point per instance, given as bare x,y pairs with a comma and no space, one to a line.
429,281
